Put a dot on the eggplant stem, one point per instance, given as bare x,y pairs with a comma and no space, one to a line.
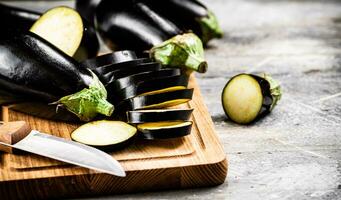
275,90
210,27
89,102
184,51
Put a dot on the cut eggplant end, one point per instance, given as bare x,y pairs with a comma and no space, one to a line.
275,90
62,27
209,27
104,134
184,51
242,99
164,130
143,116
89,102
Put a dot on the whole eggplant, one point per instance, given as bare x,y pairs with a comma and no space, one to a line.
37,71
188,15
22,20
122,27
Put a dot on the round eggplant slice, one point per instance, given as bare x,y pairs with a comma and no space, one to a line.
155,86
104,135
164,130
62,27
109,59
143,116
161,100
124,82
247,97
114,75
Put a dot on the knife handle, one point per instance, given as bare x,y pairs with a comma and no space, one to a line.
11,133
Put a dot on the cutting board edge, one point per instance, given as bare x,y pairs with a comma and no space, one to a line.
93,184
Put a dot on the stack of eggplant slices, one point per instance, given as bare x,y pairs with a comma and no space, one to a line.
50,68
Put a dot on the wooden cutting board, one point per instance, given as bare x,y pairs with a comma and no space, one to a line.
193,161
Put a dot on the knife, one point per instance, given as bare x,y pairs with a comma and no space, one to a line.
18,135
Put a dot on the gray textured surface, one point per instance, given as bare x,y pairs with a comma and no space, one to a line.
295,152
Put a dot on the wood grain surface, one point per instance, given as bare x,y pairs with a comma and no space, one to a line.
193,161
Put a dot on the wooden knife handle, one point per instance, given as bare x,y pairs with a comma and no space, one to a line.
11,133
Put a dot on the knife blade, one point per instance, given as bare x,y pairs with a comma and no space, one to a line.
61,149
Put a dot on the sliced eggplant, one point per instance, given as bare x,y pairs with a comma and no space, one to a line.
122,65
144,116
124,82
109,59
188,15
62,27
114,75
164,130
154,101
32,67
105,135
248,97
155,86
81,44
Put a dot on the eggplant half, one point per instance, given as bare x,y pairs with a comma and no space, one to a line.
155,86
19,19
105,135
109,59
155,101
188,15
144,116
32,67
124,82
248,97
164,130
65,28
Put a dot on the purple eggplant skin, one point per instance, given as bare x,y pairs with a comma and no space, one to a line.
17,18
122,27
32,67
87,9
22,20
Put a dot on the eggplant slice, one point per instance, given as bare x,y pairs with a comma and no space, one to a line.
105,135
155,86
247,97
124,82
143,116
164,130
155,101
109,59
122,65
120,73
62,27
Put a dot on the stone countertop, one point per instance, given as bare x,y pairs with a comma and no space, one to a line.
295,152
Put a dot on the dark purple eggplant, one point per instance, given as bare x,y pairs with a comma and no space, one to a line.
87,9
32,67
121,27
22,20
145,116
110,59
188,15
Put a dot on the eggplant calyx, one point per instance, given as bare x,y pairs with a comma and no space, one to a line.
185,51
89,102
275,90
209,27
